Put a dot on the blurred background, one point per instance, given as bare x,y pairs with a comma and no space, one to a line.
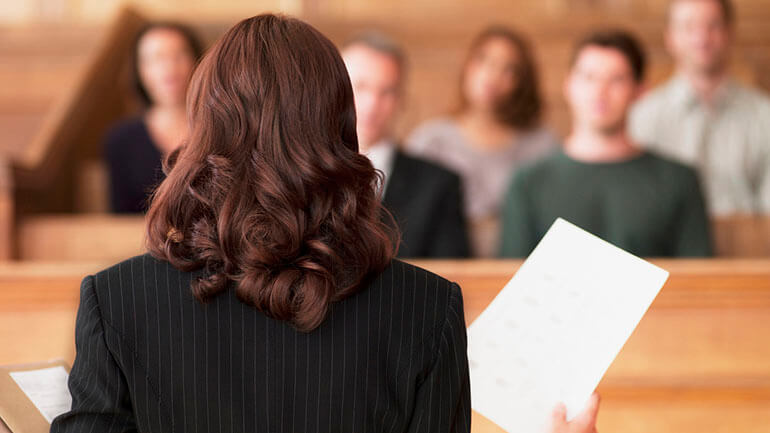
698,361
63,69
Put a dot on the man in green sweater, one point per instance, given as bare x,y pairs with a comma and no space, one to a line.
602,181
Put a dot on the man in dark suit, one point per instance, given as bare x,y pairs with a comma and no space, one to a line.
425,199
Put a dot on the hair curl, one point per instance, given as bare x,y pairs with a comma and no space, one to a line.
269,192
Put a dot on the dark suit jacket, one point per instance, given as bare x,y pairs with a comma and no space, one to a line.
426,201
150,358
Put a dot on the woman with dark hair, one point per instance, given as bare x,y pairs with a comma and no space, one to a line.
495,129
270,300
162,60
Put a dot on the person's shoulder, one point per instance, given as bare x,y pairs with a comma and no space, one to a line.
415,165
415,285
126,129
140,261
126,126
537,143
120,276
540,168
667,168
658,95
753,99
436,124
397,269
438,128
544,135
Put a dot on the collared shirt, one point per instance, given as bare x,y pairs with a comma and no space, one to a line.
382,154
728,142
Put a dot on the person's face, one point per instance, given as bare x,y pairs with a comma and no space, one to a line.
165,63
491,74
698,37
600,89
376,81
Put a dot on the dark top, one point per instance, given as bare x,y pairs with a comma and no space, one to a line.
134,165
150,358
649,206
426,201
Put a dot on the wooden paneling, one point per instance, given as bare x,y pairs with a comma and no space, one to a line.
84,237
742,236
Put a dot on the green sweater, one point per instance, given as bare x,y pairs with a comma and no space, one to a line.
649,206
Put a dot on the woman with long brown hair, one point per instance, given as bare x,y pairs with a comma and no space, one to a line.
270,299
495,129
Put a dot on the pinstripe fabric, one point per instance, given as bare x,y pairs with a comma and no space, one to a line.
150,358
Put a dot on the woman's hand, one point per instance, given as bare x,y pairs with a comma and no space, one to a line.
585,422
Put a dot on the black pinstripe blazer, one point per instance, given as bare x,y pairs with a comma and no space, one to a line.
150,358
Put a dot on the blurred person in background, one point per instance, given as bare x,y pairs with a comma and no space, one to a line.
703,117
270,274
641,202
495,130
163,59
424,198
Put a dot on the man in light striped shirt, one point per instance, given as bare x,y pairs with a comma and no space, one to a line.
703,117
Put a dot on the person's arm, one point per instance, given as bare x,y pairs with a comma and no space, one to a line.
692,236
443,400
450,235
100,395
518,233
116,174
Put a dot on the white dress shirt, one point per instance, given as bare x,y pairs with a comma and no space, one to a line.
382,154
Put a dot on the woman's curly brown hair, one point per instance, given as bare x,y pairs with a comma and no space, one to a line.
269,192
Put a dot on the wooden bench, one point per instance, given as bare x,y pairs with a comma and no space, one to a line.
699,361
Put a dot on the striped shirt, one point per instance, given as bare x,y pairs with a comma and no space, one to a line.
151,358
728,142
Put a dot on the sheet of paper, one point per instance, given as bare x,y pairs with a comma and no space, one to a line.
552,332
47,389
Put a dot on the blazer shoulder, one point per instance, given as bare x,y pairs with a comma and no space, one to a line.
121,276
418,290
413,166
132,264
670,168
401,267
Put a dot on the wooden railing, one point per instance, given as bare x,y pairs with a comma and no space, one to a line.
101,237
697,362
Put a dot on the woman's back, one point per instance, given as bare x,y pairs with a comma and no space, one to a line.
152,358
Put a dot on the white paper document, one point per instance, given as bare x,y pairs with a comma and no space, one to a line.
551,333
47,389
